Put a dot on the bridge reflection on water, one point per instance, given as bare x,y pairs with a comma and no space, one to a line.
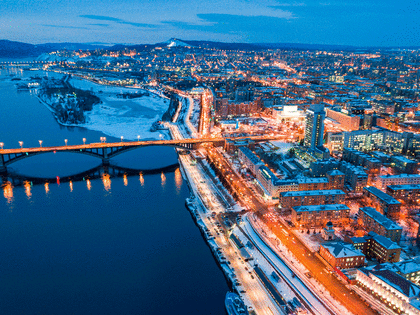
103,172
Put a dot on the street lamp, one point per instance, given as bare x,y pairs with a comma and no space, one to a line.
1,145
65,141
84,140
138,138
122,138
40,143
21,144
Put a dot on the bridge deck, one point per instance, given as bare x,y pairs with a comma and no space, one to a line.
130,144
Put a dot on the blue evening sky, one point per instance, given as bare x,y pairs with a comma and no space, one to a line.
348,22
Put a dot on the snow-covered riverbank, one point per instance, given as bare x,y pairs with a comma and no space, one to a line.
121,117
118,117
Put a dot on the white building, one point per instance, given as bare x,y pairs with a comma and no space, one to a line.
288,113
393,290
249,159
401,179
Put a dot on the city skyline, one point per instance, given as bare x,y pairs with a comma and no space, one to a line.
356,23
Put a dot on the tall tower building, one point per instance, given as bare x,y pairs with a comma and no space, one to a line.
314,129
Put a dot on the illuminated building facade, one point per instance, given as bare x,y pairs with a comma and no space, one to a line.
341,255
314,127
318,216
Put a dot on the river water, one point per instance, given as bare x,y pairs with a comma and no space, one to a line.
96,244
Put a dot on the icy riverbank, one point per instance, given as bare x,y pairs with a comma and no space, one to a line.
117,116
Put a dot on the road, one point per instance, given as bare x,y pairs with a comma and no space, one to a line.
247,198
311,262
244,280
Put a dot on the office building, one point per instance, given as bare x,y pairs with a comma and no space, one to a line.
314,127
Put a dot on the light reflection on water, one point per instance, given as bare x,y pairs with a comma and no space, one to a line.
53,239
178,180
106,180
9,183
163,179
8,192
88,184
27,186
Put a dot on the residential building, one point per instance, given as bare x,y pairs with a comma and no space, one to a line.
268,182
407,193
292,199
401,179
316,183
342,255
362,159
374,221
249,159
382,202
336,179
317,216
334,141
404,165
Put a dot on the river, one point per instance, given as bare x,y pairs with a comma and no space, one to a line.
106,244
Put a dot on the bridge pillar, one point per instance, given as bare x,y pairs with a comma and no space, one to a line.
3,168
105,158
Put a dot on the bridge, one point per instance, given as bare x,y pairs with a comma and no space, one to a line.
106,151
24,63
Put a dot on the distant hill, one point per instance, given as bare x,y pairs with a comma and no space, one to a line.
71,46
11,49
19,50
263,46
173,42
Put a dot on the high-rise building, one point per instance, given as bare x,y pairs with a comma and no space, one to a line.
314,129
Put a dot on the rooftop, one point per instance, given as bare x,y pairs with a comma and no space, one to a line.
403,187
303,193
400,176
334,207
335,173
251,156
310,180
340,249
384,241
382,196
396,281
380,218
